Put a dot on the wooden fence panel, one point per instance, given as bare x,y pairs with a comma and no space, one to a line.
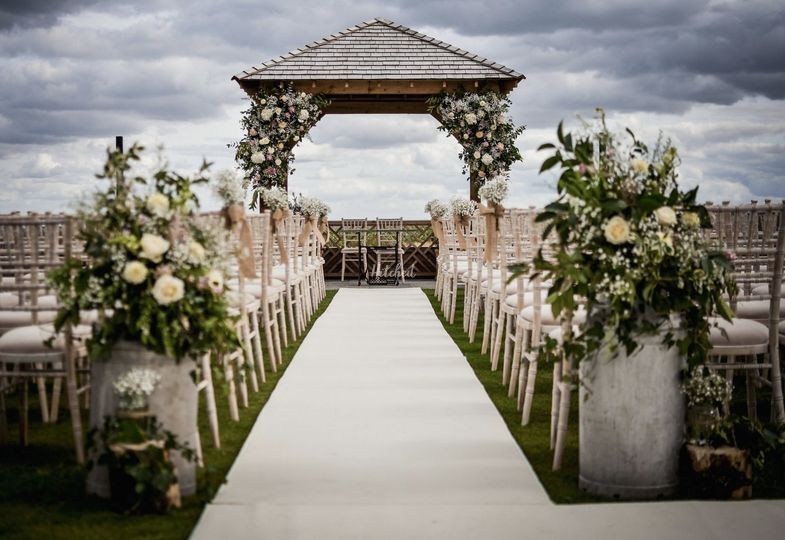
419,243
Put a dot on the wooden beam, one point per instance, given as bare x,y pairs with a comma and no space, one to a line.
383,87
377,107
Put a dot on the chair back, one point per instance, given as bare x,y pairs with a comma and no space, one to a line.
388,232
349,239
30,247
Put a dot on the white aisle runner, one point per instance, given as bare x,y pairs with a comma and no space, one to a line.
380,430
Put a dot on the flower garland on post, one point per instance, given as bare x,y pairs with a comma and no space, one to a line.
315,212
462,210
494,192
438,211
231,190
276,200
484,129
276,121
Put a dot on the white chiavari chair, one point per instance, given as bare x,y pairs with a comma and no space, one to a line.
389,245
350,251
32,246
749,343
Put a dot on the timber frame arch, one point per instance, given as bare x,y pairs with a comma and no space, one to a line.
380,67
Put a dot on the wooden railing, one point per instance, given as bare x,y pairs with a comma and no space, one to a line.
419,243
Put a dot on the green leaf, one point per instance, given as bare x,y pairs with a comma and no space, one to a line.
550,162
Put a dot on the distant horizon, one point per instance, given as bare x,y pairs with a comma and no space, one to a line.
78,73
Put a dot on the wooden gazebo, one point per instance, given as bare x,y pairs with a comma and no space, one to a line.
380,67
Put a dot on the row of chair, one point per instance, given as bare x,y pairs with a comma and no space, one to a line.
517,319
277,304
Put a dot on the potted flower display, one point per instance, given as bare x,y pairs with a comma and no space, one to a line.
156,275
628,245
136,450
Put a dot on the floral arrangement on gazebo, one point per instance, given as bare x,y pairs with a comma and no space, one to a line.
277,119
483,127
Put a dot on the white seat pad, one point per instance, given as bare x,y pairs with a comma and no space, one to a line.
740,333
757,310
30,340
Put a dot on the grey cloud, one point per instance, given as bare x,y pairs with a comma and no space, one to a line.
29,13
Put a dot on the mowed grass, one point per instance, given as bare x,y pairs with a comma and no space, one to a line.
534,439
42,488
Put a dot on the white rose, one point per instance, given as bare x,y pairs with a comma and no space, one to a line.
196,251
277,110
303,116
153,247
477,155
483,104
135,272
470,118
487,159
277,161
158,204
500,146
168,289
639,166
617,230
215,280
257,157
265,141
665,216
266,114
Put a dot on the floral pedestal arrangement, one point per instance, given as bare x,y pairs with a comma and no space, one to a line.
625,242
155,271
632,421
174,404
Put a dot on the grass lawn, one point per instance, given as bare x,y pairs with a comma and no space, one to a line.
534,439
42,488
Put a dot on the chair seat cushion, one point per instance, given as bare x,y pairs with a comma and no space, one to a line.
512,299
547,318
757,310
740,333
763,290
15,319
30,340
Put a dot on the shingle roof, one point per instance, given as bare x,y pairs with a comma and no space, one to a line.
379,50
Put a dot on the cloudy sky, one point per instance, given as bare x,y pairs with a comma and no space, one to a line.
708,73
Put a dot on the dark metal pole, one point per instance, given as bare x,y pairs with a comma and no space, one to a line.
118,143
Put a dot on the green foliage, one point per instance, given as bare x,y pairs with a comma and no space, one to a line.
486,133
766,446
629,244
149,265
139,477
275,122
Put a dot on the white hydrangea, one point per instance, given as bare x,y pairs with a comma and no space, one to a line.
311,207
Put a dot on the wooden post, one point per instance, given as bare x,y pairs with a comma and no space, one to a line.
474,187
118,143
